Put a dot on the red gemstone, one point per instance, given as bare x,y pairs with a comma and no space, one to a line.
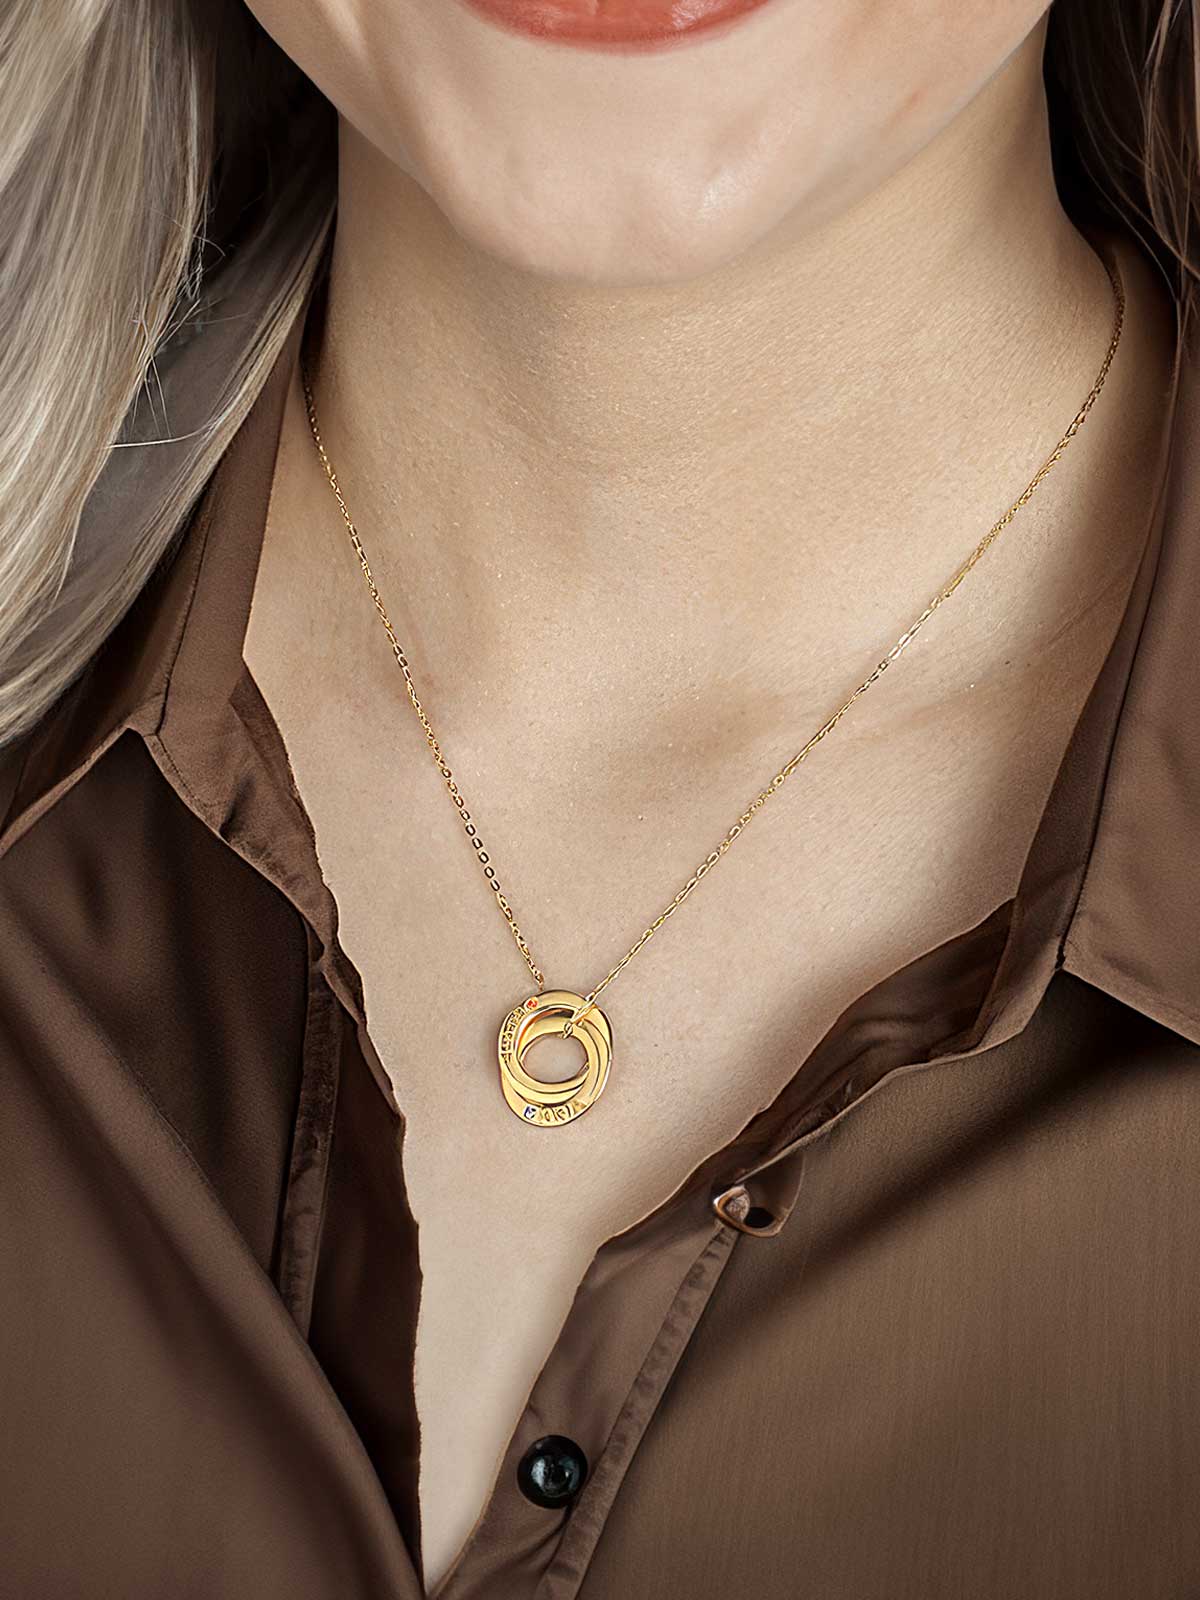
531,1004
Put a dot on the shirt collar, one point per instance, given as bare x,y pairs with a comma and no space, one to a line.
1106,888
1134,923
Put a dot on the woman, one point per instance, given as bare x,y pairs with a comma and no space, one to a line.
663,363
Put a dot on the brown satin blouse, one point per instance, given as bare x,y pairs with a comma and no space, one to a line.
927,1329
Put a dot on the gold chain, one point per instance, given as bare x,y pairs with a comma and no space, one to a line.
784,772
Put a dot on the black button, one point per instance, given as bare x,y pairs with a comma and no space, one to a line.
552,1471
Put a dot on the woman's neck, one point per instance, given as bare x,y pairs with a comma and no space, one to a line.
819,431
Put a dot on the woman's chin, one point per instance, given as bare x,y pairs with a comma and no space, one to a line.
596,227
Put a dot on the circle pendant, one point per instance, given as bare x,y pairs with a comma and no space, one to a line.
551,1105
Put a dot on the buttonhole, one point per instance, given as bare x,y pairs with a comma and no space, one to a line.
758,1217
735,1207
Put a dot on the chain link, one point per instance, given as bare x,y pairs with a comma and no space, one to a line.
784,772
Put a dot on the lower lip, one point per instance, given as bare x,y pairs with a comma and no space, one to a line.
626,24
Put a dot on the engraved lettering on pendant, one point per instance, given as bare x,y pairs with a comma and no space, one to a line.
553,1105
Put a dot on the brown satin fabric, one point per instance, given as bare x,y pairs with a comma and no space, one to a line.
959,1357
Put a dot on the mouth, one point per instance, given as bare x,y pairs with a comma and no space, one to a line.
620,24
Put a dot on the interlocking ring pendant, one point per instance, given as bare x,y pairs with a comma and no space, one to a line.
552,1105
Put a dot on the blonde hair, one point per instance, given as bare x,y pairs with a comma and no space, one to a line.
126,127
150,153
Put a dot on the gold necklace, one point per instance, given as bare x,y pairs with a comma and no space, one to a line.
564,1011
